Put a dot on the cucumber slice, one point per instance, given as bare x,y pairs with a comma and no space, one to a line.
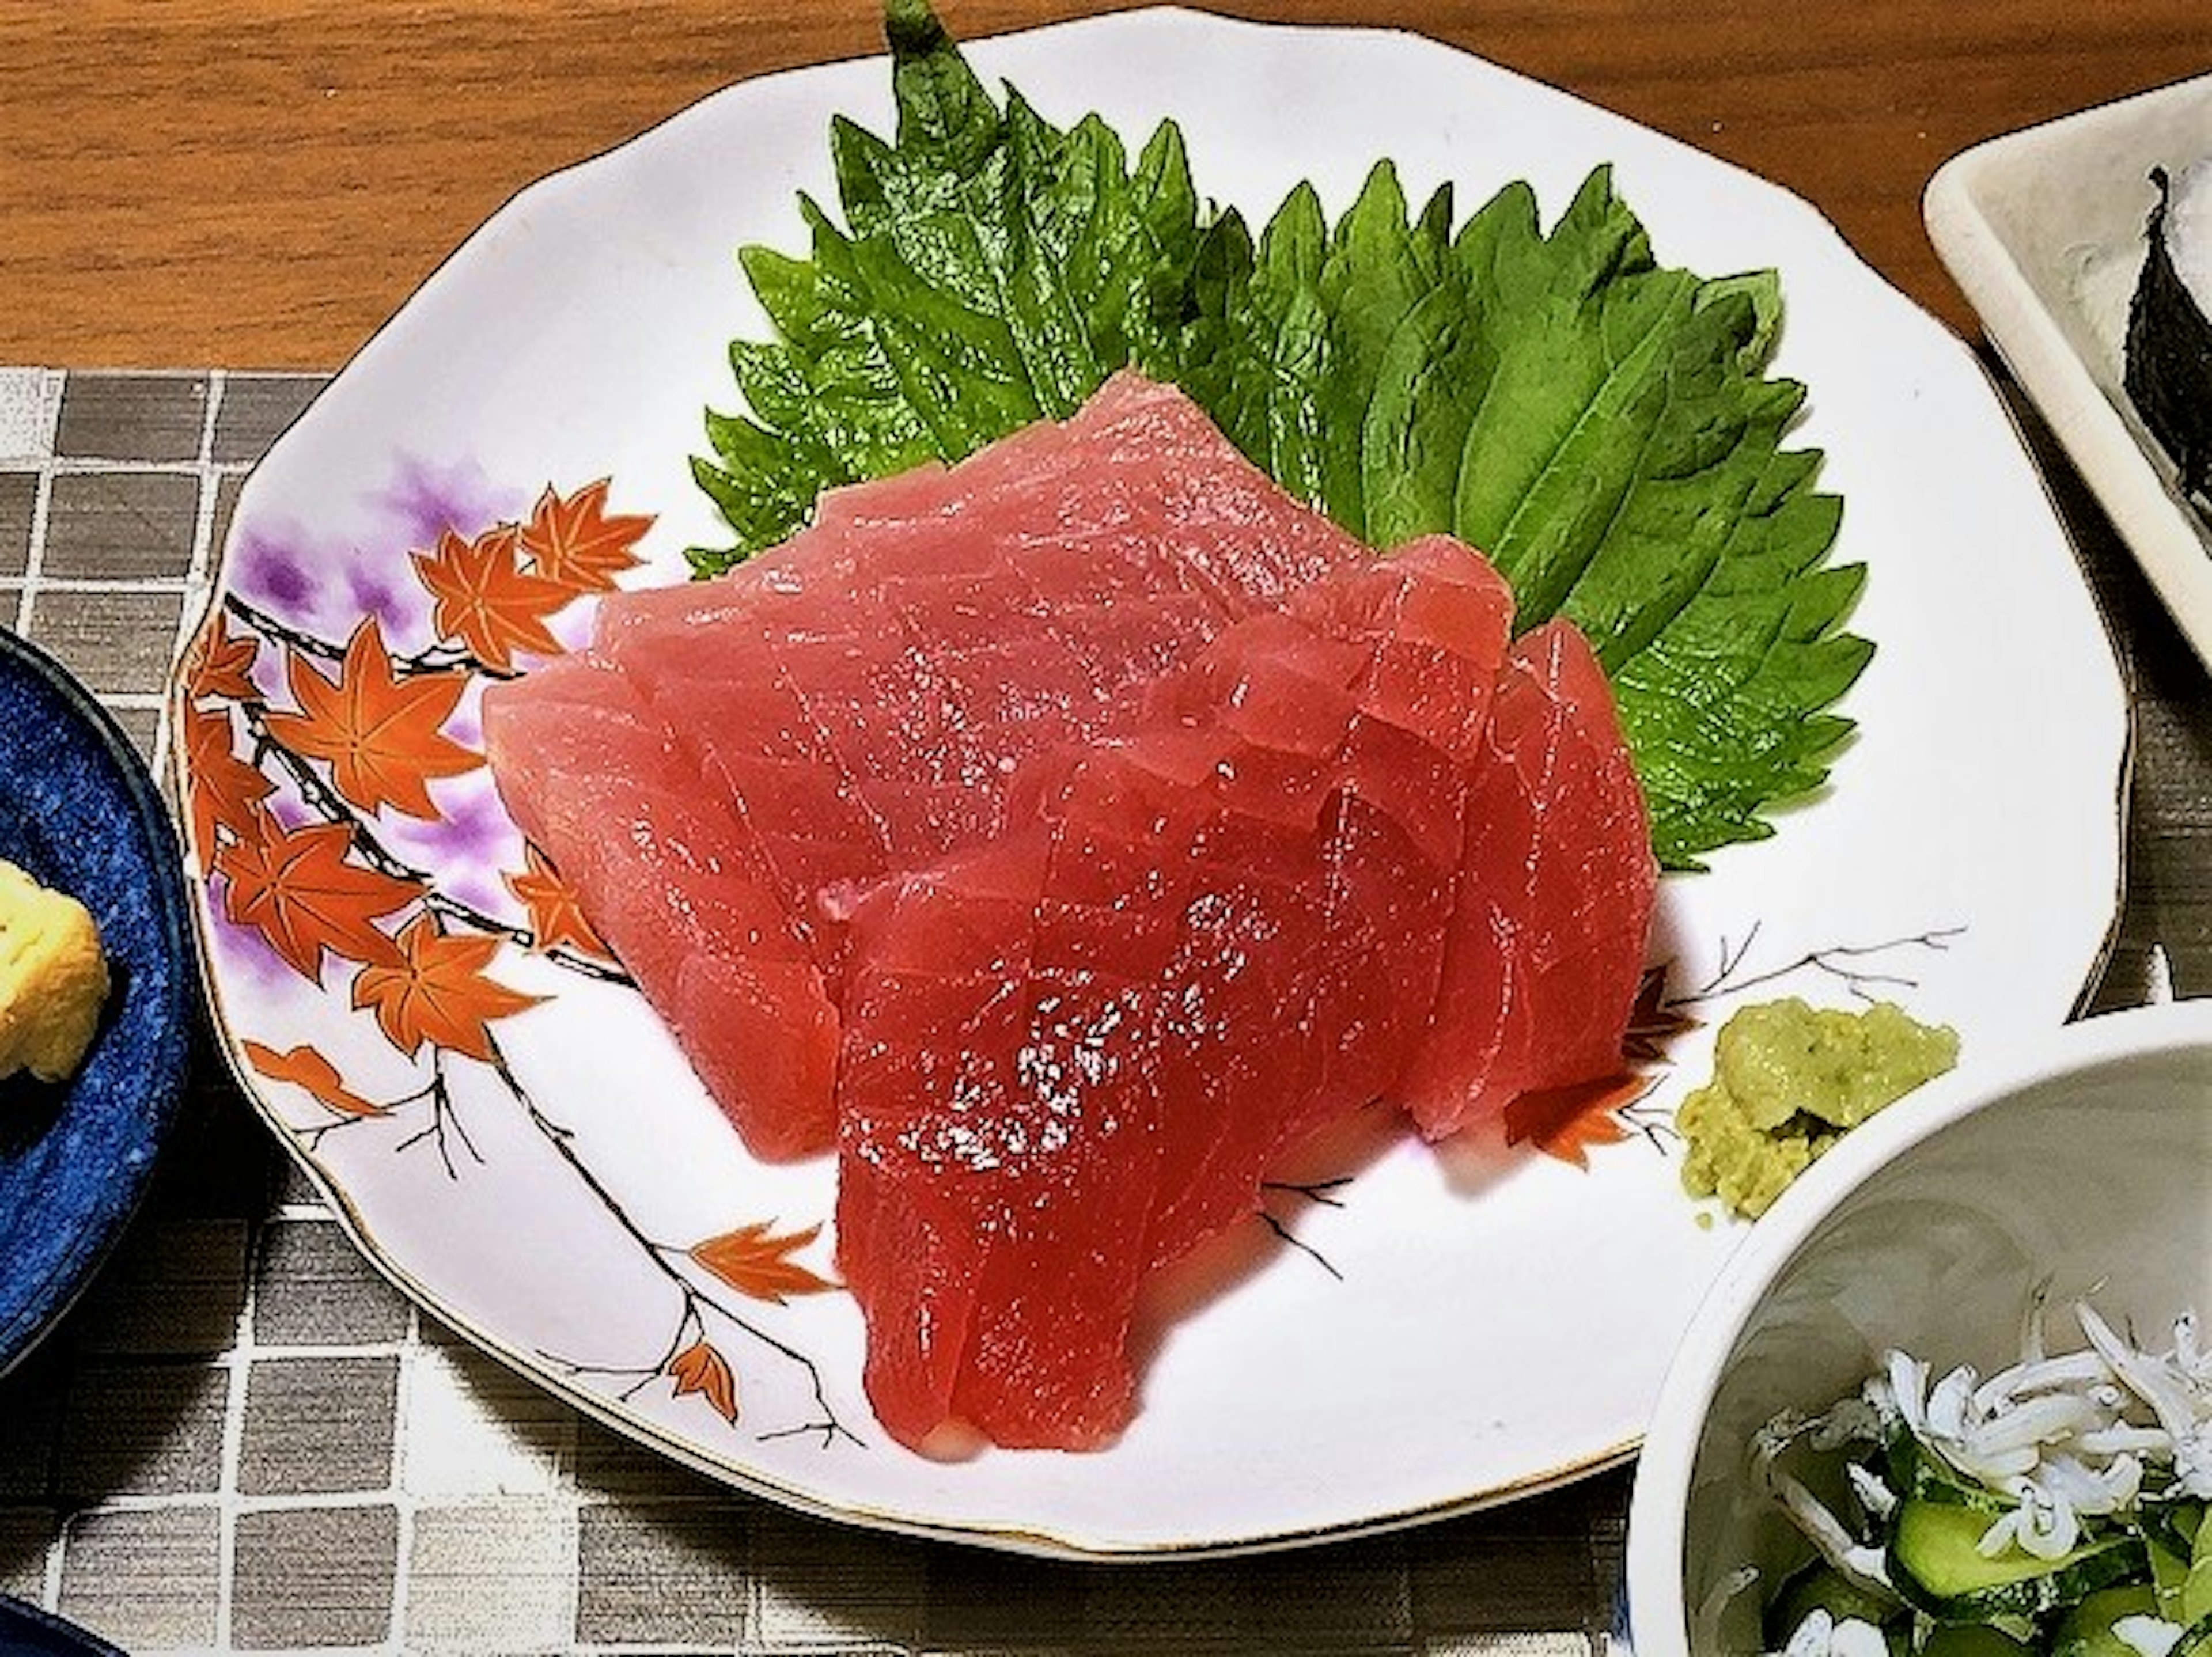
1936,1565
2196,1640
2178,1540
2086,1630
1917,1473
2169,1575
1973,1640
1821,1586
2197,1587
2177,1524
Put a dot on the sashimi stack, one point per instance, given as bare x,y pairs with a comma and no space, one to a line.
732,763
1068,835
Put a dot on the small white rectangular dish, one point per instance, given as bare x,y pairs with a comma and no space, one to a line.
2044,230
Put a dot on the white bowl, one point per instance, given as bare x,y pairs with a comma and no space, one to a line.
2083,1161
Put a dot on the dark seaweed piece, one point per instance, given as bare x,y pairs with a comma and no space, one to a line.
2168,373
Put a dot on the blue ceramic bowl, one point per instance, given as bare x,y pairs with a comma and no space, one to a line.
27,1631
80,812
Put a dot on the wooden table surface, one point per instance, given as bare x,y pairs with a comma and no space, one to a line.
260,183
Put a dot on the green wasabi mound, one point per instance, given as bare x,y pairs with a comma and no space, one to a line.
1789,1080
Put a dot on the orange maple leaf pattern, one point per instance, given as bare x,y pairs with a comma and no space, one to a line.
573,542
555,914
222,665
380,731
755,1262
436,992
296,888
304,1067
1565,1122
699,1368
224,792
488,600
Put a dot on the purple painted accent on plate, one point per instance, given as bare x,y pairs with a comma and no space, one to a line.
395,608
465,727
283,568
271,570
242,948
573,626
427,497
287,808
467,847
269,674
280,568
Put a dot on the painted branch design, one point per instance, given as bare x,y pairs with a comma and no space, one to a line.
293,797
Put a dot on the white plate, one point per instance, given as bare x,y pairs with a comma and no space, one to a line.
1486,1323
2044,230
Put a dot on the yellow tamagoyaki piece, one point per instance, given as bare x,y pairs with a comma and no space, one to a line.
53,977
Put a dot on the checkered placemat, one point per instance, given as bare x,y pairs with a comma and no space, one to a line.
243,1440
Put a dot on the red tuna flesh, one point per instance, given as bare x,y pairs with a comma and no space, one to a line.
591,772
1072,1053
855,701
1546,949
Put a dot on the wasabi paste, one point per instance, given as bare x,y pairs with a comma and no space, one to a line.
1789,1080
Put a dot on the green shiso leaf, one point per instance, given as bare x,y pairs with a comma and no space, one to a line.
990,270
1604,427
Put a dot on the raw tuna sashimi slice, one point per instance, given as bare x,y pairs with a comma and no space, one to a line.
1072,1054
854,703
595,783
1549,929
